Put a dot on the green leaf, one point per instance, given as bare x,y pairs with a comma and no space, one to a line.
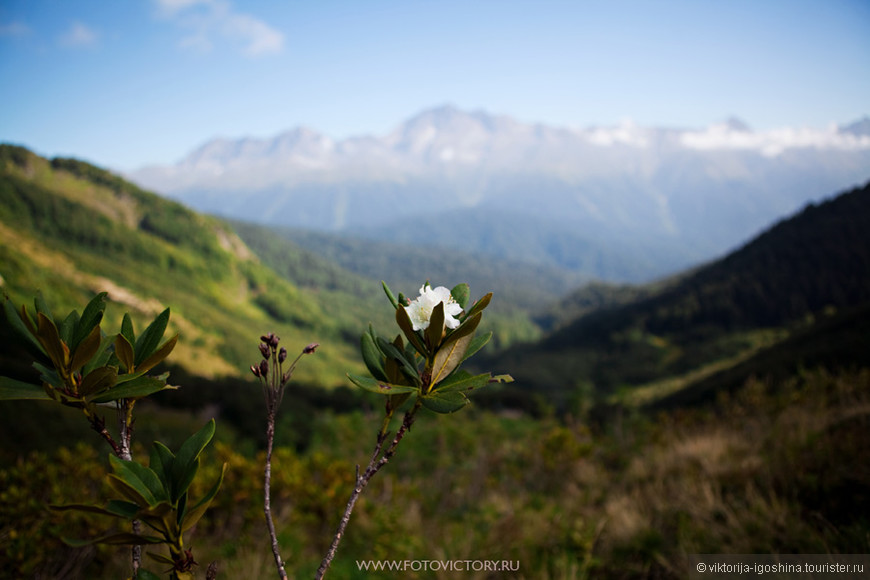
98,381
121,539
380,387
115,508
124,352
404,322
150,337
435,330
12,390
127,329
186,461
409,369
91,317
463,381
453,350
132,389
159,558
197,511
66,328
444,401
477,343
102,357
17,324
142,479
478,306
461,293
160,462
41,305
389,294
47,334
147,575
158,355
371,355
86,349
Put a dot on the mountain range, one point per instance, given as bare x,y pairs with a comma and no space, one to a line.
620,203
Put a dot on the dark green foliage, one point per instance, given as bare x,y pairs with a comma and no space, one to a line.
819,259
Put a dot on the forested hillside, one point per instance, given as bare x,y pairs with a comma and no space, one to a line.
813,264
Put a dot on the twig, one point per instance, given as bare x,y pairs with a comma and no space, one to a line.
267,503
376,462
125,430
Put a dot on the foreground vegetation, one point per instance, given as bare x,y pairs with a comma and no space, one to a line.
779,467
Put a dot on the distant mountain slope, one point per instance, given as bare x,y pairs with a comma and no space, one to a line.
72,229
815,261
623,203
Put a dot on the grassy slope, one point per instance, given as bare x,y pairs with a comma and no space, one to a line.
71,230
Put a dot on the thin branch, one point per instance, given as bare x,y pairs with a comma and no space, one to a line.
267,502
376,462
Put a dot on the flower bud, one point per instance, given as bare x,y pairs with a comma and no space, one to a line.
264,368
273,340
310,348
256,370
264,350
282,355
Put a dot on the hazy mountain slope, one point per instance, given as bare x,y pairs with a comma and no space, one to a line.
359,265
817,260
621,203
71,230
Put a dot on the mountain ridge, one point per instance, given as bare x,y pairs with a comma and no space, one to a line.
649,189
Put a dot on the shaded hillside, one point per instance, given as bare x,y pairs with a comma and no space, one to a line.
819,259
72,229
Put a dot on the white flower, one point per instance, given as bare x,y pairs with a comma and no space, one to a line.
420,310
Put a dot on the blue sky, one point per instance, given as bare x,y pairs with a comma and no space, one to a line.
134,82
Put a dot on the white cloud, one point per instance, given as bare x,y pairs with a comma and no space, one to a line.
78,35
774,142
211,21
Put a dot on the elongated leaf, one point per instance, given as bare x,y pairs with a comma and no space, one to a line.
115,508
147,342
47,334
148,575
404,322
460,293
13,390
444,402
86,349
159,558
102,357
121,539
436,327
158,355
141,498
124,352
186,461
98,381
141,478
160,462
40,304
380,387
134,389
409,369
197,511
67,327
389,294
477,343
463,381
127,329
91,317
372,356
16,321
478,306
392,367
453,350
